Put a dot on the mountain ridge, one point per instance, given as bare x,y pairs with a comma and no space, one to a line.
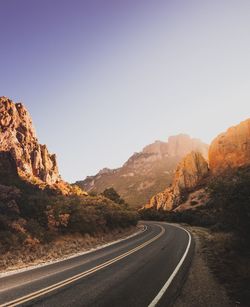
146,172
229,150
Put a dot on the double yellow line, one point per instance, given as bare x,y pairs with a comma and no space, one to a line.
72,279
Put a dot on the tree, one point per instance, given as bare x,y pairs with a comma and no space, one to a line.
111,194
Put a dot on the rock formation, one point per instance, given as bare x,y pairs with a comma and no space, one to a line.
189,173
147,172
231,149
33,161
18,137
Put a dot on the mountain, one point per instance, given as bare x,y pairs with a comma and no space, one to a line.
37,208
147,172
33,161
230,150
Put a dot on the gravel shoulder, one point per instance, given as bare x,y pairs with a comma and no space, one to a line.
201,287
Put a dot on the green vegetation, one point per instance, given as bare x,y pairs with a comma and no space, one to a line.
230,196
29,215
227,210
111,194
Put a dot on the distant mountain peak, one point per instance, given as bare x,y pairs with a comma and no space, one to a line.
146,172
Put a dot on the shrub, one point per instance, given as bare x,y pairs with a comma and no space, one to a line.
231,198
111,194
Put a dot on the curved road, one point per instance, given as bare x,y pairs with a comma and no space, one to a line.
145,270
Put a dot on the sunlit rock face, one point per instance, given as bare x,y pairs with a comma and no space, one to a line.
17,136
231,149
189,173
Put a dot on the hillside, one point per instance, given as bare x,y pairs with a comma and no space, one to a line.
147,172
36,206
229,151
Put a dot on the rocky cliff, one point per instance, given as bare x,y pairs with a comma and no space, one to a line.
147,172
231,149
33,161
18,137
189,173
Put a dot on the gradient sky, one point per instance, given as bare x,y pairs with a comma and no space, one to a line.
104,78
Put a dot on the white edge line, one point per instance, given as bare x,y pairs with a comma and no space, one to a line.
46,263
41,292
176,270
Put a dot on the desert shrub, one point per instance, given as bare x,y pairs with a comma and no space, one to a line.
34,207
47,214
153,214
198,217
9,239
111,194
120,218
231,197
35,229
83,220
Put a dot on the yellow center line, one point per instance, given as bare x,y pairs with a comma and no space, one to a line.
74,278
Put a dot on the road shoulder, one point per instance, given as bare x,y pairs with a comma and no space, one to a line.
201,288
63,248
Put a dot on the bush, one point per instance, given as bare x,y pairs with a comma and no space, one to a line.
231,197
111,194
45,215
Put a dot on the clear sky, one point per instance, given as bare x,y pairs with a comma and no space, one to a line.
104,78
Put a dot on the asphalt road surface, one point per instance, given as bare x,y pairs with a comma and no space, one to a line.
148,269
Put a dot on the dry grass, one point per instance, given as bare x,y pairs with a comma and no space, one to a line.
62,247
229,264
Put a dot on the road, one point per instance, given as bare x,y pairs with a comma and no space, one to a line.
145,270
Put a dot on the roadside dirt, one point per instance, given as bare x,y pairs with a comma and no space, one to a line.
61,248
201,288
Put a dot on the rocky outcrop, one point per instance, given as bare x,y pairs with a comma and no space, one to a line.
231,149
18,137
147,172
188,175
190,171
33,162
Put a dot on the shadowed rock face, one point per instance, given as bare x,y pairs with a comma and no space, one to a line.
147,172
231,149
189,173
18,137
